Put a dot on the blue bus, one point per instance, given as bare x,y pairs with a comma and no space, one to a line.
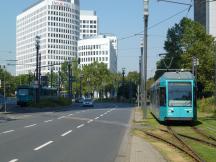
173,97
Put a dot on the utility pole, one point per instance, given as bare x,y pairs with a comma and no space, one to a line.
70,80
138,95
59,81
145,50
5,102
81,76
141,76
29,79
37,45
51,77
123,81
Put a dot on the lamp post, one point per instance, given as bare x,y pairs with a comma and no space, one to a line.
5,104
70,80
123,81
81,76
51,77
88,81
37,45
146,14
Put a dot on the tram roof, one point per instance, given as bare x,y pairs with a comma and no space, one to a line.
177,76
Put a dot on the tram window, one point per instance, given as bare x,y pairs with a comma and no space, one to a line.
162,96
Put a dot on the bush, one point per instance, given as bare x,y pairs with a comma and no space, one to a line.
52,102
207,105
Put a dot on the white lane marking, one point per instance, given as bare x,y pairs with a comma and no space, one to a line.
8,131
14,160
96,118
47,121
80,126
44,145
28,126
70,115
61,117
66,133
101,115
90,121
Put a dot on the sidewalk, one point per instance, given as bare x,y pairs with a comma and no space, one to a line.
136,149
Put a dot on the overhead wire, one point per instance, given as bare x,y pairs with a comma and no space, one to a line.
155,25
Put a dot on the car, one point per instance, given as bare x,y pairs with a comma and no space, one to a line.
88,102
79,100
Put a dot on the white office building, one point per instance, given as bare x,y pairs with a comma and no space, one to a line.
99,49
57,22
88,24
205,13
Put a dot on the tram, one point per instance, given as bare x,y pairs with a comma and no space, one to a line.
26,94
173,97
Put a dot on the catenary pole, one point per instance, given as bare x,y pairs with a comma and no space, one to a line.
145,50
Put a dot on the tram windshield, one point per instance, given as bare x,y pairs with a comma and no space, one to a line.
180,94
23,92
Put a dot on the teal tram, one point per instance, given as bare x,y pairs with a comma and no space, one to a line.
26,94
173,97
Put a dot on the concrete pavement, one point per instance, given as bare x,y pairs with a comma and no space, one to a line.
142,151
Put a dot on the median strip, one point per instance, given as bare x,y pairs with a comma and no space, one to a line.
66,133
28,126
80,126
42,146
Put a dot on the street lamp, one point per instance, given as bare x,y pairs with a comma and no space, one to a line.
5,90
144,93
81,76
88,81
37,46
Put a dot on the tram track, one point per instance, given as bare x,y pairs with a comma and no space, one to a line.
177,143
212,144
201,132
192,153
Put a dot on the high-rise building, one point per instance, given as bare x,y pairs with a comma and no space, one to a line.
57,23
99,49
88,24
205,13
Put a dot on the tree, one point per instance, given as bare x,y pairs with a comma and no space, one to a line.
95,77
133,77
185,40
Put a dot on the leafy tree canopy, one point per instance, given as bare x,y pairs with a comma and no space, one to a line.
186,40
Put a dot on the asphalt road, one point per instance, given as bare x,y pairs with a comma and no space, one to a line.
74,134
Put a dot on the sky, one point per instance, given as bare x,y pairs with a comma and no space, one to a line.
122,18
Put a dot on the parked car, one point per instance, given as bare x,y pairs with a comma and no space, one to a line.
88,102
